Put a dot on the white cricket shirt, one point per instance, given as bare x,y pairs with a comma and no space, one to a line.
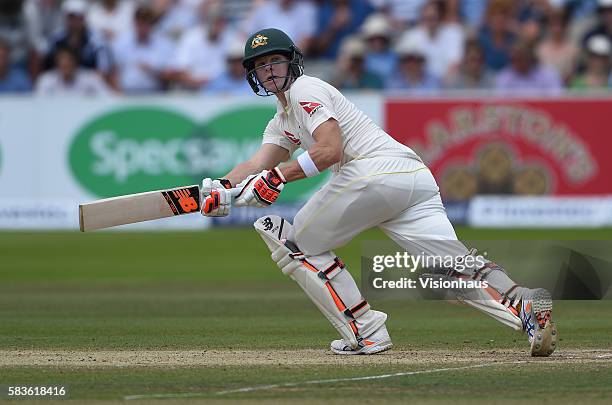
312,102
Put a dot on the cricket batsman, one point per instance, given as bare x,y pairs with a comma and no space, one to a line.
376,181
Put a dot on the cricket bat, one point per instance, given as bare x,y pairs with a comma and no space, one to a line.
132,208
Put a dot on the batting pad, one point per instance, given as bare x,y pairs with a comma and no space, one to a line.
324,280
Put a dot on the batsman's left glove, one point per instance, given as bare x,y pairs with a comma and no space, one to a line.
216,197
260,190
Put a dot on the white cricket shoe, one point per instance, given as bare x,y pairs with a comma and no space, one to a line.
377,342
535,311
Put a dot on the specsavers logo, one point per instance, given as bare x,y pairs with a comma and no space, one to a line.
147,148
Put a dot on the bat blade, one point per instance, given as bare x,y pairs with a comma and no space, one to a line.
132,208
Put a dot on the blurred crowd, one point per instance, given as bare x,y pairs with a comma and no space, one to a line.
53,47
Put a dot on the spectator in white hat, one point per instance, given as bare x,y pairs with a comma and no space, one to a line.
411,72
351,72
598,67
232,80
604,25
378,35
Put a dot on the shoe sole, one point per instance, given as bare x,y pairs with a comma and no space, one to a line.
544,341
364,351
545,337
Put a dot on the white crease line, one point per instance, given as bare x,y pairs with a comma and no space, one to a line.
313,382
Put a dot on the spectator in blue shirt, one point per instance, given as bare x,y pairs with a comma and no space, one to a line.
379,57
496,36
12,80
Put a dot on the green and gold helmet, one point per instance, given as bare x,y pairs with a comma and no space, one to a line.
266,42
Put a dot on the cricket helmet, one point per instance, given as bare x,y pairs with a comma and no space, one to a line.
266,42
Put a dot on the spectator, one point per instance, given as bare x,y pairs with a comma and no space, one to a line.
496,36
403,14
142,57
174,17
12,79
200,55
111,18
442,42
598,67
525,74
557,50
473,73
379,58
337,19
532,17
298,19
232,81
91,50
411,73
604,26
14,31
68,79
43,17
352,73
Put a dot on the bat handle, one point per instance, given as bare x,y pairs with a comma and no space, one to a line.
234,193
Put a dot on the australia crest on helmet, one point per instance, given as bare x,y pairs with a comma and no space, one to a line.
259,40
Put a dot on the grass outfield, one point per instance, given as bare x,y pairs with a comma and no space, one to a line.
209,316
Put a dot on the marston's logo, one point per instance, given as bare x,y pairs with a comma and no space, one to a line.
294,139
310,107
259,40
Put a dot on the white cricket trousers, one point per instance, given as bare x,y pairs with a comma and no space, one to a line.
397,194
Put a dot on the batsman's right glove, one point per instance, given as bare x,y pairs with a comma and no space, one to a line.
260,190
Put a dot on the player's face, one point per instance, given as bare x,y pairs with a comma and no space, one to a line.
272,71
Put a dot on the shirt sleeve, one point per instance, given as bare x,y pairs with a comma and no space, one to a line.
272,134
313,104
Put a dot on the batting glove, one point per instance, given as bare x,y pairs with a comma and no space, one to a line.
216,197
260,190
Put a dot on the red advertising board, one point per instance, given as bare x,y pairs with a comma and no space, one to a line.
509,146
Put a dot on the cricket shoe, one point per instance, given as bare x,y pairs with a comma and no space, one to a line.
535,311
377,342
